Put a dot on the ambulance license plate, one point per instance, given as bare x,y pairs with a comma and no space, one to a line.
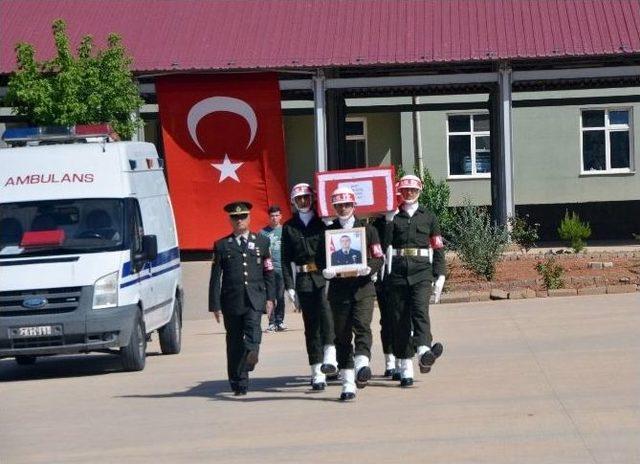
37,331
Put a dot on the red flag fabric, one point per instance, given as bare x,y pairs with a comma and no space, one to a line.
223,142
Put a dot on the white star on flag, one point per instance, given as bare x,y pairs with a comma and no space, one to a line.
227,169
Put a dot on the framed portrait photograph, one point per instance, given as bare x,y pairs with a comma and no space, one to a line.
346,249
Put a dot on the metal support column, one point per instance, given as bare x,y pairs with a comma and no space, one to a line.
319,115
505,199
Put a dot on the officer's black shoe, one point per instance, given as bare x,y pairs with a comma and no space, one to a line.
251,360
318,386
329,369
364,375
347,396
241,391
405,383
429,358
389,373
396,375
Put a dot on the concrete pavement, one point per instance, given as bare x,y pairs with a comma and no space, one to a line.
528,381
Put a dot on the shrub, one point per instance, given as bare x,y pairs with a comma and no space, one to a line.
573,230
477,240
523,232
551,273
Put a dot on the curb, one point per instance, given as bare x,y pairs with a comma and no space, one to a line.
525,293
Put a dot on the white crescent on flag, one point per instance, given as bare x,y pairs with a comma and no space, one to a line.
216,104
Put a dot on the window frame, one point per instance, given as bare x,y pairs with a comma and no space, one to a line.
607,128
472,134
362,137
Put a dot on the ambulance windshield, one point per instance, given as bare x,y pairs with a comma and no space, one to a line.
61,227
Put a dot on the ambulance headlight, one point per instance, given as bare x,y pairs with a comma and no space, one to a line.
105,291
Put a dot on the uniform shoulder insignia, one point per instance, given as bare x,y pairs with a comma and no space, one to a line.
229,240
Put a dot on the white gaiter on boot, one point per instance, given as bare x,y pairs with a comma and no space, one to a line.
316,374
389,362
406,371
348,380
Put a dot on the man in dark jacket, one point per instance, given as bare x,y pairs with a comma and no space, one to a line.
302,239
241,288
351,296
418,262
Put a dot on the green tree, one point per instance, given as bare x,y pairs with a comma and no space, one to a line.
92,87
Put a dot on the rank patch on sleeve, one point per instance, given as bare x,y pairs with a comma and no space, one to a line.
376,250
437,242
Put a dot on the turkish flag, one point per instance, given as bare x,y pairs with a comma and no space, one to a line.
223,142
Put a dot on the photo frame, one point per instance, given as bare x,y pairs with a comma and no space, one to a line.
346,249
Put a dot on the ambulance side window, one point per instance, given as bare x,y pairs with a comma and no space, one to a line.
138,230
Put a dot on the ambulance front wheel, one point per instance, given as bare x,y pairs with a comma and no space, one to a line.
171,332
133,355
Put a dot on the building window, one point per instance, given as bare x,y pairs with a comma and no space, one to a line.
606,138
469,145
355,155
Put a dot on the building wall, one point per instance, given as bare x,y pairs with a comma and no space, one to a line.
383,143
433,126
547,149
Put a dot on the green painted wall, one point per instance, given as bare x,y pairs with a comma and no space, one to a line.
383,143
433,125
299,141
547,158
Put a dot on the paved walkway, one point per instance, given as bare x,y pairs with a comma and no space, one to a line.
531,381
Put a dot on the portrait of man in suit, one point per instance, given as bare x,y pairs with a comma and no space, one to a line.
346,254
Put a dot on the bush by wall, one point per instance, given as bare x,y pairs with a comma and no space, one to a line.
574,231
478,242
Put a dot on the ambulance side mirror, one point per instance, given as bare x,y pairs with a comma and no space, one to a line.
149,247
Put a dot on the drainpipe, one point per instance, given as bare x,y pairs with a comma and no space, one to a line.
417,137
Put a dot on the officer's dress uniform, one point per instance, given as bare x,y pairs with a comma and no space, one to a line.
300,246
241,283
351,300
409,284
341,257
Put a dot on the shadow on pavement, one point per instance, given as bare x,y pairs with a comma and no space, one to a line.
62,366
278,388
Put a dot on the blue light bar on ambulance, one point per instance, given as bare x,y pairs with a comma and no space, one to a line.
36,134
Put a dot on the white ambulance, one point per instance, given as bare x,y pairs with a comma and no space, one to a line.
89,257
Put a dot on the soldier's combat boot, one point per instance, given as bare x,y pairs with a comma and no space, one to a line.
329,361
427,356
406,373
397,372
363,371
318,379
348,385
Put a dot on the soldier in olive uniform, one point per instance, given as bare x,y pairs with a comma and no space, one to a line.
386,313
418,262
302,238
241,288
351,299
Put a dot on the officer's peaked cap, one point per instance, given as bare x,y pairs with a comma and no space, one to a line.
238,207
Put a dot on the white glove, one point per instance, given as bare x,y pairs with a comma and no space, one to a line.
390,215
374,277
364,271
437,288
328,274
327,221
291,293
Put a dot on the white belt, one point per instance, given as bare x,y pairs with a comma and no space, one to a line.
411,252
